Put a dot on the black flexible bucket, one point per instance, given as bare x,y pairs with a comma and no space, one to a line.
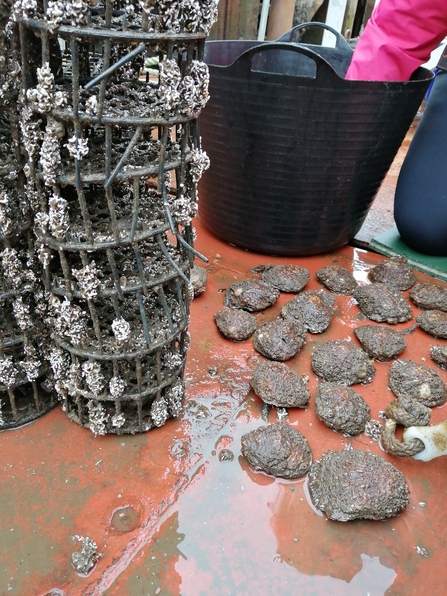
297,152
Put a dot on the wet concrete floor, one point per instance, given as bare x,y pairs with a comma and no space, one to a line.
177,511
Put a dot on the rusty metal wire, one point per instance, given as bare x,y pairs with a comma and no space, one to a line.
113,162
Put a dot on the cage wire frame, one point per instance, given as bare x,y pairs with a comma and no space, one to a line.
114,231
25,387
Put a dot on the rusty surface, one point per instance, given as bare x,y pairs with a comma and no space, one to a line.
173,514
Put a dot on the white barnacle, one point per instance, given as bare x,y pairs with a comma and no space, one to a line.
88,280
22,314
5,221
199,163
117,386
50,157
91,371
169,80
59,362
41,97
31,369
200,74
97,418
118,420
77,147
31,132
8,372
68,320
23,9
159,411
44,255
41,221
91,106
12,267
174,397
55,14
58,218
121,329
76,11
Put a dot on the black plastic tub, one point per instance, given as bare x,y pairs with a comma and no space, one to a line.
297,152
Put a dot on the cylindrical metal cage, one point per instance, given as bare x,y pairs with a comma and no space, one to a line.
113,163
25,389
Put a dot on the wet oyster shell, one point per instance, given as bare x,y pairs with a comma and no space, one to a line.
341,408
429,296
380,342
235,323
381,303
315,308
278,385
396,272
355,484
286,278
198,278
252,295
340,361
337,279
277,449
280,339
407,378
439,355
433,322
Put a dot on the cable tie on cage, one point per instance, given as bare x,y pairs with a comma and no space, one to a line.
140,48
122,161
190,248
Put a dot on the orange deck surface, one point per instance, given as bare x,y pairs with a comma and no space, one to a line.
170,518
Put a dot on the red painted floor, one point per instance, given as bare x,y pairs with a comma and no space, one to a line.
170,518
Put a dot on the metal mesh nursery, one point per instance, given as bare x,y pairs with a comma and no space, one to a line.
113,163
25,393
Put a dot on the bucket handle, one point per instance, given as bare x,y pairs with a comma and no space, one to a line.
340,44
244,62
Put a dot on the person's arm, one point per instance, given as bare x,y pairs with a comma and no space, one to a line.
399,37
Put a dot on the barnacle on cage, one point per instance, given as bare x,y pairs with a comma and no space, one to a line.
169,80
50,156
209,15
22,314
41,221
98,418
117,386
55,14
200,74
58,217
32,365
60,362
121,330
174,397
91,371
78,148
159,411
88,280
12,267
68,320
5,221
91,106
31,132
199,163
8,371
44,254
118,420
23,9
41,97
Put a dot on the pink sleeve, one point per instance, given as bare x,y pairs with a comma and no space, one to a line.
398,38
